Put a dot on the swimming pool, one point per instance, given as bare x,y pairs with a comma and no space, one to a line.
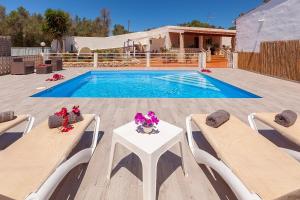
144,84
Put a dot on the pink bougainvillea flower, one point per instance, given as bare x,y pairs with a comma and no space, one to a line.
205,70
56,77
148,122
76,110
151,113
139,118
63,112
66,126
154,119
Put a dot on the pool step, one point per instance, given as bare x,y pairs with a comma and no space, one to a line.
192,79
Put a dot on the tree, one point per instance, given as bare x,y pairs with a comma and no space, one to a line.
82,27
16,23
2,20
232,28
105,21
30,30
57,24
197,23
119,30
34,31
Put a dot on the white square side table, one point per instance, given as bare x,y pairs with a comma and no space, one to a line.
149,148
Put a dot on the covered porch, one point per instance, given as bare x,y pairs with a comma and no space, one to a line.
196,41
193,40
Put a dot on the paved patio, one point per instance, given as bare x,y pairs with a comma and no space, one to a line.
89,182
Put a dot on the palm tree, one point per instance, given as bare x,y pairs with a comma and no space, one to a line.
57,24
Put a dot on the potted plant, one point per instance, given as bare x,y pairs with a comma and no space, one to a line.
146,123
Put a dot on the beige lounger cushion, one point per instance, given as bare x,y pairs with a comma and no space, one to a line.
27,163
261,166
292,133
4,126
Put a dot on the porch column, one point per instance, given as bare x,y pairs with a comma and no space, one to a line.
181,48
201,42
181,43
168,44
148,46
148,55
233,44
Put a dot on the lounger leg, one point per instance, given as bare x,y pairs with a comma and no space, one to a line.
183,156
111,157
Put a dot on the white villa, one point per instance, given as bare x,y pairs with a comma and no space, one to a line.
276,20
175,38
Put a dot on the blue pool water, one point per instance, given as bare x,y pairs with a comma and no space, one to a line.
145,84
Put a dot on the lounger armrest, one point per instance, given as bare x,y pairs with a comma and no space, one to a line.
29,124
251,121
96,132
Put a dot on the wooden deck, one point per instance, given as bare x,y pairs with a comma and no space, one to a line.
89,182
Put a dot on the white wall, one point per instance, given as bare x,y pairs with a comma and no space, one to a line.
157,44
281,22
26,51
226,41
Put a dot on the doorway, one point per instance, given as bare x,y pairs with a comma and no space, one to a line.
196,42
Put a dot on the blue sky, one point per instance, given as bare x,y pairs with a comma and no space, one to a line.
145,14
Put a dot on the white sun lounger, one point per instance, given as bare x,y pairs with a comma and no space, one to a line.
32,167
253,167
292,133
4,126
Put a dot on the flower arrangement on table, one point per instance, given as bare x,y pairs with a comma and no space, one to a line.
56,77
64,119
146,123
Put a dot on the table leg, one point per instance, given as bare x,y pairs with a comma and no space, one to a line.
111,158
181,143
149,178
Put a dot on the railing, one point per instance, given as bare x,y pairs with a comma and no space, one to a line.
128,60
29,51
229,56
188,50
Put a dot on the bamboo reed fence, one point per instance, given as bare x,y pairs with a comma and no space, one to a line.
279,59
